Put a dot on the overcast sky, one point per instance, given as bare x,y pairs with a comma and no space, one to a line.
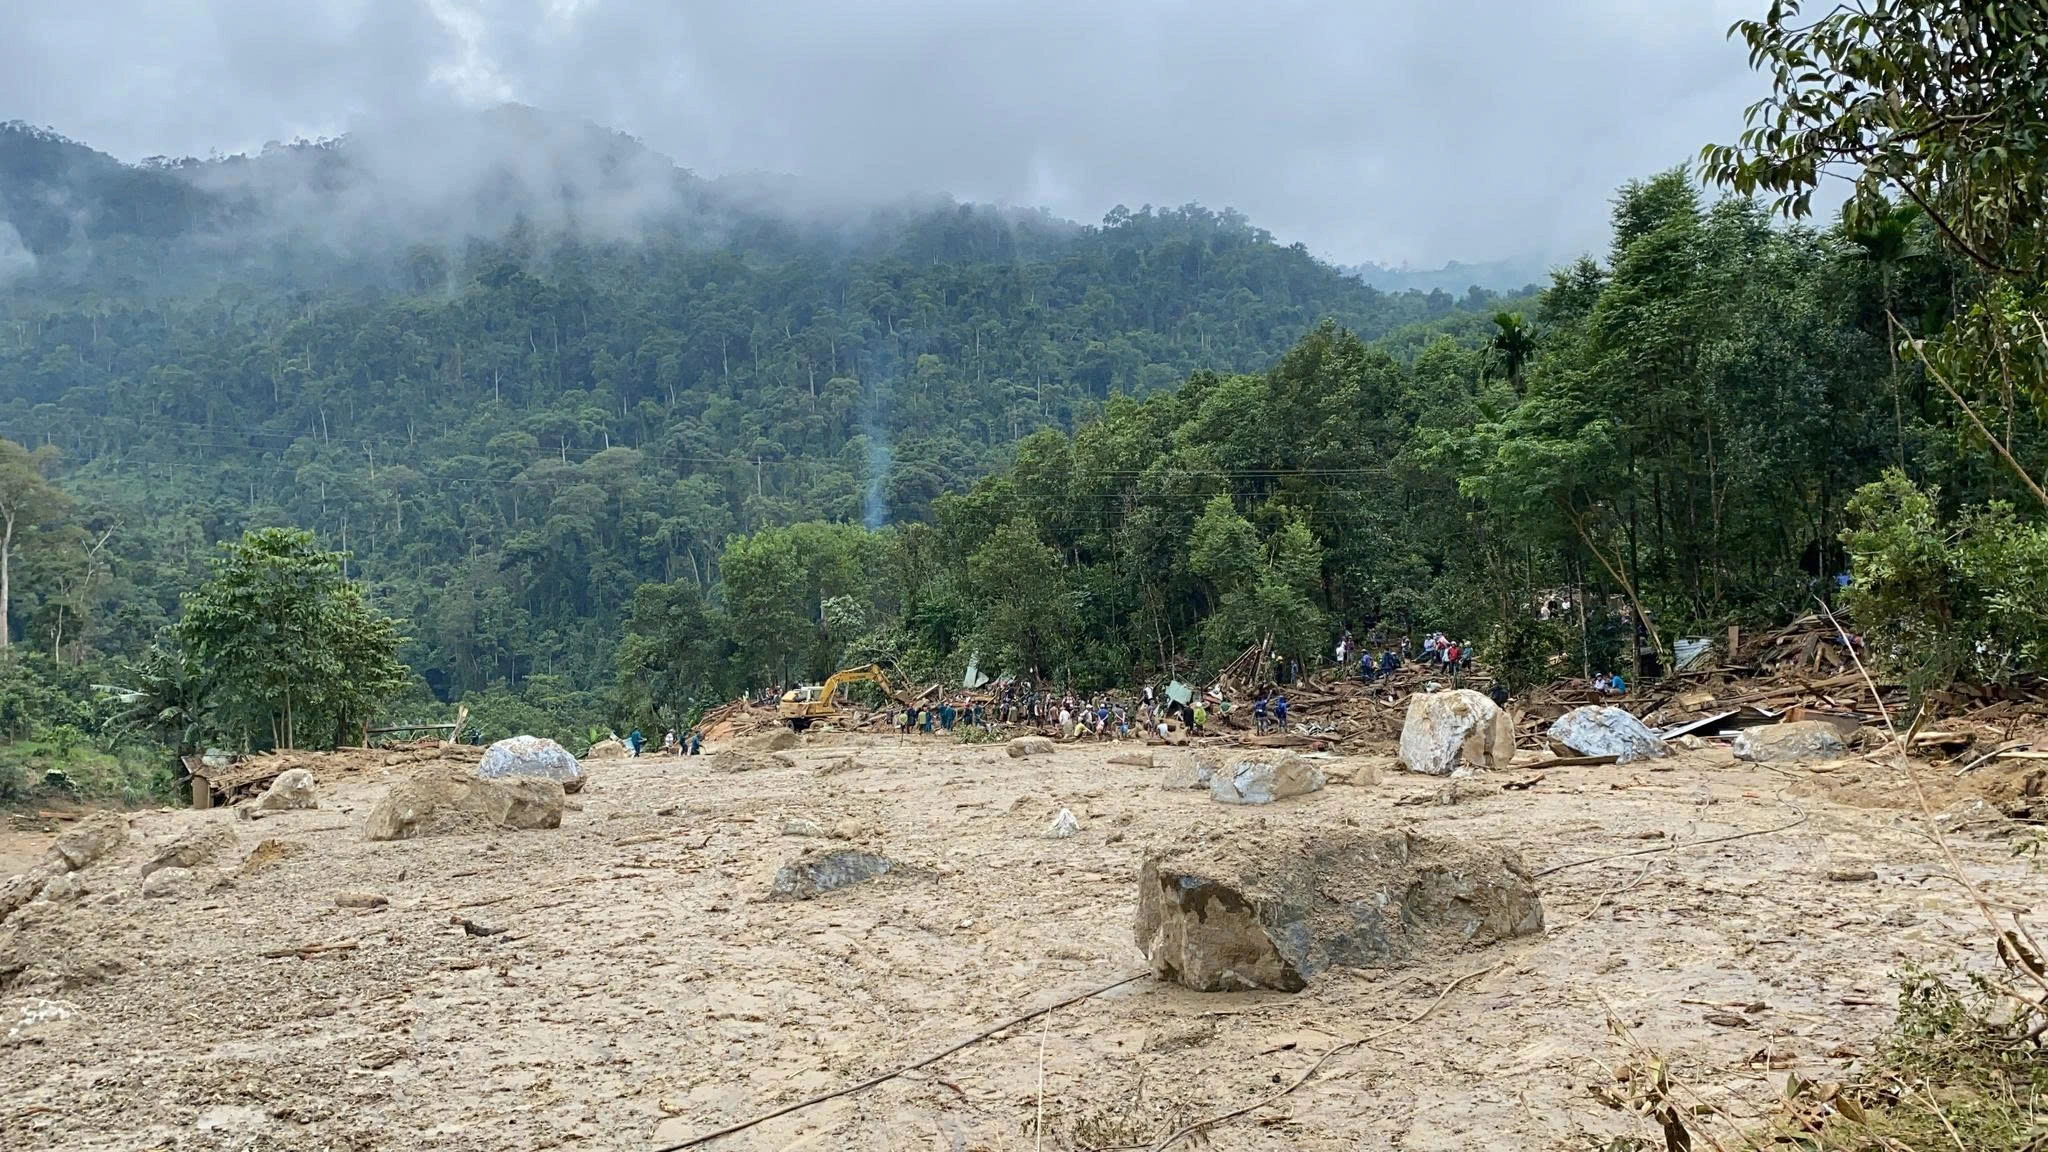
1387,130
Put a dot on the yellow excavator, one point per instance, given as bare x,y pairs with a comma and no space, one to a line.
811,702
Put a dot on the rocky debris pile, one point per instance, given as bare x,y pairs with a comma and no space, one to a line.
531,756
1022,746
1604,730
1798,740
815,872
1261,778
440,805
773,740
1455,733
94,838
293,789
1219,918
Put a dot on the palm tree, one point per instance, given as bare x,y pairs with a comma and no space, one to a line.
1514,343
1888,238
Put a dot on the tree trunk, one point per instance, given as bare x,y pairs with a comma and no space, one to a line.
6,554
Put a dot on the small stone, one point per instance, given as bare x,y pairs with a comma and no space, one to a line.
848,829
1063,825
1852,875
172,880
1367,776
1132,759
271,852
531,756
361,900
1023,746
291,790
799,826
815,873
63,889
1262,779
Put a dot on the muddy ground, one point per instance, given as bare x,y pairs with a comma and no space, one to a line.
644,991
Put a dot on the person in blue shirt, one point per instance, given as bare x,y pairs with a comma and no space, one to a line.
635,740
1389,662
1280,712
696,743
946,715
1259,714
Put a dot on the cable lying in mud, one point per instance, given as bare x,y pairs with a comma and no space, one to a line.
864,1085
1674,846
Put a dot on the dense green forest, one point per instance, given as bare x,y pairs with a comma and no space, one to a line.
510,433
608,466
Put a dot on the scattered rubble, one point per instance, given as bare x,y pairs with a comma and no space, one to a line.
1220,918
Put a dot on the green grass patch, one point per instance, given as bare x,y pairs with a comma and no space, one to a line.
63,764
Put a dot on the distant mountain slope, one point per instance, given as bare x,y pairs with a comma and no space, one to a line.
1454,277
519,365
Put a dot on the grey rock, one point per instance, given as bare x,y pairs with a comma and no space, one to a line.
1262,779
1022,746
1218,918
1063,826
1184,771
534,757
1604,730
96,836
197,848
293,789
1455,733
1798,740
173,881
815,873
63,889
433,806
800,826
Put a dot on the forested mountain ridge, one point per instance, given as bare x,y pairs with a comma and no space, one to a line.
512,429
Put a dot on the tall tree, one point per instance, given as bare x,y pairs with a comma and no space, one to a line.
26,499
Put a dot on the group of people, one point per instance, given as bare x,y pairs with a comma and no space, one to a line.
1609,684
1448,654
941,718
691,744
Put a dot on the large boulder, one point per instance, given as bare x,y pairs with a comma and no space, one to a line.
1185,771
293,789
433,806
1604,730
816,872
1455,733
534,757
1798,740
776,739
1262,778
1023,746
1272,914
199,848
608,749
94,837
